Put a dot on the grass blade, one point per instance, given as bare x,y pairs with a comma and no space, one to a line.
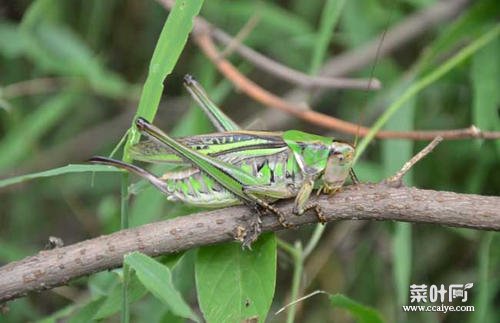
425,81
58,171
172,39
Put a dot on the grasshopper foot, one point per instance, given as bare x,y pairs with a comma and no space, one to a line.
317,209
278,213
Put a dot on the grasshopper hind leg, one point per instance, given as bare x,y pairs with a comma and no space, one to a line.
252,229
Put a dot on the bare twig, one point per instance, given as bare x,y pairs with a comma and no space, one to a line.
35,86
271,100
396,180
316,292
202,31
277,69
50,268
240,36
291,75
396,37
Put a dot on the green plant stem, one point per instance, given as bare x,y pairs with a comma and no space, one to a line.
124,202
316,236
413,90
330,15
298,262
286,246
125,313
482,302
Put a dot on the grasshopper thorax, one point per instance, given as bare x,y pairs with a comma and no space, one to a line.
338,166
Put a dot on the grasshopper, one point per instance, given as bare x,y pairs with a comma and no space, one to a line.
235,166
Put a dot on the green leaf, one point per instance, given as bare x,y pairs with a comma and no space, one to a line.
14,42
41,11
113,300
395,154
485,74
172,39
58,171
329,17
361,312
235,284
56,48
158,280
18,142
85,313
468,26
484,297
402,258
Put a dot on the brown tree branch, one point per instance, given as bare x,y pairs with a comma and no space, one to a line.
51,268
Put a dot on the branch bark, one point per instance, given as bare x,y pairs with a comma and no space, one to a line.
51,268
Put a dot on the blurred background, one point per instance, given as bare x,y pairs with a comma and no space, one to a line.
70,78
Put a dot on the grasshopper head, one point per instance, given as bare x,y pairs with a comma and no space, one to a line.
338,166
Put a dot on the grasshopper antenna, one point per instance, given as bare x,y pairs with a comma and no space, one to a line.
158,183
352,174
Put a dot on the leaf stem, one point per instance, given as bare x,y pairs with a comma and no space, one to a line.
298,262
125,313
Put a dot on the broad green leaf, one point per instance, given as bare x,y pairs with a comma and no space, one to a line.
113,300
235,284
172,39
18,142
158,280
59,316
86,313
58,171
362,313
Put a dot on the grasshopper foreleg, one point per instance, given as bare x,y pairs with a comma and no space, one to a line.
302,198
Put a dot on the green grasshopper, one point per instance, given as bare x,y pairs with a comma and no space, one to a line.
235,166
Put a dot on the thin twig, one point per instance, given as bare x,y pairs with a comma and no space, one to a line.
273,67
240,36
316,292
271,100
396,179
412,27
202,32
293,76
35,86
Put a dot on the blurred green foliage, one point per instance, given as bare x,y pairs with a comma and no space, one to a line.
71,74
